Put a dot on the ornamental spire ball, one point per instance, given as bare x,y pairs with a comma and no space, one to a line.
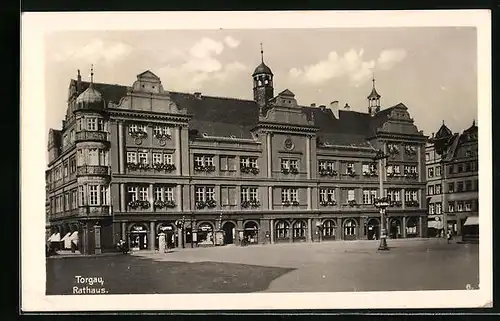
90,95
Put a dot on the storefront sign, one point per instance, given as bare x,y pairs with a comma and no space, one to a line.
166,228
205,228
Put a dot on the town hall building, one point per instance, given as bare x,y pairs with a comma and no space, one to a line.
131,162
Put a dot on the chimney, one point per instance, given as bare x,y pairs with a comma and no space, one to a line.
313,105
347,107
322,107
79,83
197,95
432,135
334,107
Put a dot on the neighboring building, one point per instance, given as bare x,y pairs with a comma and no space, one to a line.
130,162
452,180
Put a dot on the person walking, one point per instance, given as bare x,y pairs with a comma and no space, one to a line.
448,237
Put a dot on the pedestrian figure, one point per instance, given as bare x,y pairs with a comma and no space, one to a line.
161,242
448,237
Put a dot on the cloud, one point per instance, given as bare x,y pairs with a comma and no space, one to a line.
388,58
351,65
205,48
231,42
95,51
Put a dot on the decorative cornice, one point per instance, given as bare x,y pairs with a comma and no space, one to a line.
421,138
126,115
277,127
226,139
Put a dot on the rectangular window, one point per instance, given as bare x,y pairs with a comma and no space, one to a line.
168,159
331,194
451,207
132,128
294,195
427,157
143,194
460,206
438,171
93,157
366,168
159,194
350,168
407,196
431,208
468,206
244,162
350,195
104,195
285,195
366,196
468,167
430,172
285,163
294,164
253,162
437,189
460,168
209,160
132,193
373,196
100,125
66,169
430,190
169,193
210,194
414,195
198,161
460,186
200,194
66,201
103,157
451,187
322,166
74,199
450,169
323,195
72,165
91,124
131,157
223,165
245,194
468,185
157,158
142,128
79,124
143,158
93,195
253,194
396,169
81,197
438,208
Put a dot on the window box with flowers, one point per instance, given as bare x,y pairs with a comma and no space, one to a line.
286,203
393,149
411,203
411,175
200,205
211,203
410,150
351,203
328,203
164,204
352,173
132,166
327,172
143,166
139,204
164,167
395,203
249,169
370,173
204,168
295,203
162,135
250,203
138,134
285,170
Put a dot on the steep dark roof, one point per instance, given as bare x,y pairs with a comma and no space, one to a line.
443,132
218,116
374,94
262,69
110,92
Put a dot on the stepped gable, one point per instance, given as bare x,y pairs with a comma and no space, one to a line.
217,116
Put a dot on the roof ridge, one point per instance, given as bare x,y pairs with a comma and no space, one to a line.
209,96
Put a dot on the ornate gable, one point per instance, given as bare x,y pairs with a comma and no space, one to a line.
148,82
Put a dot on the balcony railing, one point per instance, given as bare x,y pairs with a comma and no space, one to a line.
92,170
91,136
94,210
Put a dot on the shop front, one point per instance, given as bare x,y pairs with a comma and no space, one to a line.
138,237
328,230
168,231
372,229
349,230
205,234
251,233
299,231
282,231
412,229
395,230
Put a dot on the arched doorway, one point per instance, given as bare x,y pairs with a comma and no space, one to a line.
395,228
299,231
328,230
138,236
412,227
350,227
282,231
251,232
229,232
373,229
205,234
167,228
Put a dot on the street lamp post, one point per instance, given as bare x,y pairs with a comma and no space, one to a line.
382,202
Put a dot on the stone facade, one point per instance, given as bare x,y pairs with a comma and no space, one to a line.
452,179
209,170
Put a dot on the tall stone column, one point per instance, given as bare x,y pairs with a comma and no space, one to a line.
124,231
178,201
309,198
270,197
151,198
403,226
308,156
271,231
419,158
309,230
459,226
361,228
178,151
123,205
121,148
97,239
339,235
152,235
269,155
290,232
421,226
403,198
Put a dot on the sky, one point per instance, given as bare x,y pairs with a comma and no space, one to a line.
432,70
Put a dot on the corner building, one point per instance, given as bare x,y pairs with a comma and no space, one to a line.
131,162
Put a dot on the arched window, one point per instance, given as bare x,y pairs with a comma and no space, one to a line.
282,229
259,83
350,227
328,228
299,229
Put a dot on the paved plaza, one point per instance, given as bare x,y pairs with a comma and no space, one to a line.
420,264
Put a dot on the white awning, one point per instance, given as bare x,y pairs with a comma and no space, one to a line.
56,237
50,238
432,224
472,220
65,237
74,236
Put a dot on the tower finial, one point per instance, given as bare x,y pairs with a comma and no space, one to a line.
92,74
261,53
373,78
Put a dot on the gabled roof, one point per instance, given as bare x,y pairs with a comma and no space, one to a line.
287,93
148,74
443,132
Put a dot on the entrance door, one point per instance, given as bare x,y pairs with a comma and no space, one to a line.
373,229
228,229
138,237
251,234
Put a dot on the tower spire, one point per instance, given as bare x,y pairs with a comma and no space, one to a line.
261,53
91,74
373,79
